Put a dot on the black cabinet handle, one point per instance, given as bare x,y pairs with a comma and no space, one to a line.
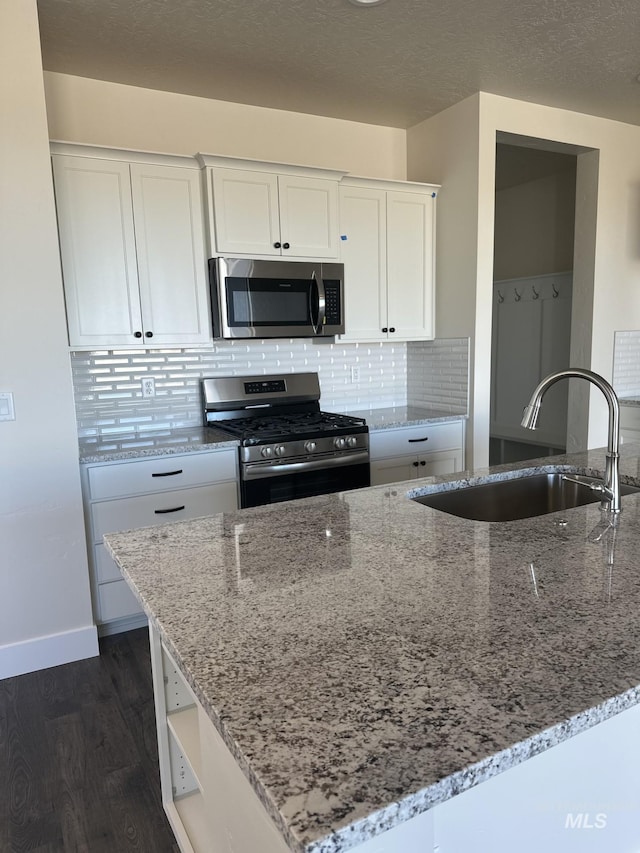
385,329
285,246
415,464
415,440
423,462
277,245
173,509
168,473
392,329
137,334
148,334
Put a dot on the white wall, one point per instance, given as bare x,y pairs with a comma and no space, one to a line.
616,261
111,114
45,610
534,227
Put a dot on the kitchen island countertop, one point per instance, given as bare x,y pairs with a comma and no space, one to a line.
407,656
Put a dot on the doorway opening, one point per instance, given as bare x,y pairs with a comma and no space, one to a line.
533,293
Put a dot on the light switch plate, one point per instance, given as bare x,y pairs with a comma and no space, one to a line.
7,412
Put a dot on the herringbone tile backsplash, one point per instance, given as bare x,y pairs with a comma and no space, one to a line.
109,398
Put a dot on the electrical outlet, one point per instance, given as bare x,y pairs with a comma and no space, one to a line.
148,386
355,373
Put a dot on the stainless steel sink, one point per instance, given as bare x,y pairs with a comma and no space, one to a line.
522,497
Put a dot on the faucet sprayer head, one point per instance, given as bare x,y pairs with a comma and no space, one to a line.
530,415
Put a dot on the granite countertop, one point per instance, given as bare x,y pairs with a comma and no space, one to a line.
138,445
121,447
629,401
402,416
409,656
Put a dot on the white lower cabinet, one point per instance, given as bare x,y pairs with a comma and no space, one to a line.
143,493
416,451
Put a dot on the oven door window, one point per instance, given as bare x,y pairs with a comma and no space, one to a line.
270,302
304,484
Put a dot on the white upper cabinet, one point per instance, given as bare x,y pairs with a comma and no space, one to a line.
98,249
388,249
290,212
167,207
132,248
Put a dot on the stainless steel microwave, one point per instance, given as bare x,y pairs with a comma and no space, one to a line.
276,299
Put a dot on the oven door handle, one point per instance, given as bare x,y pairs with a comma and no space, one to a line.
260,470
321,319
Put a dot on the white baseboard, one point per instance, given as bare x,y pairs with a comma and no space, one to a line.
50,650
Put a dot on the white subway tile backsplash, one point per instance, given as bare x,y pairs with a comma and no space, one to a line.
109,397
626,364
437,374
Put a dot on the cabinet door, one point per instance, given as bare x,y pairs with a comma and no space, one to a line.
435,464
394,470
308,217
410,265
245,207
97,243
167,205
364,255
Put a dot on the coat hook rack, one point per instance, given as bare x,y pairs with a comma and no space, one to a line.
556,292
518,295
500,297
536,295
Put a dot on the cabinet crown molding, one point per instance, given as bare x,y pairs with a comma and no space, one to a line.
389,184
222,161
99,152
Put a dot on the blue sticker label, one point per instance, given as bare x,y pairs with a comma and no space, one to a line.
343,236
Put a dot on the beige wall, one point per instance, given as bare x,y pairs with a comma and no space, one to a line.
534,227
101,113
45,610
444,149
616,258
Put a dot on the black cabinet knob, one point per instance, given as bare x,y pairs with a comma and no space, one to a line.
385,329
392,329
285,246
137,334
415,464
276,245
148,334
423,462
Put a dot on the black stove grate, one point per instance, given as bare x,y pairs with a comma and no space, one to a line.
272,427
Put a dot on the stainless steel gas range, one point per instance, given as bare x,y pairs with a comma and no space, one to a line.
288,447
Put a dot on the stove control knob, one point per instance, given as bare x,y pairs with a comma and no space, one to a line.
280,450
352,441
309,446
266,452
339,443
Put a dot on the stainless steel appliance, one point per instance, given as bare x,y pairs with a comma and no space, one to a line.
276,299
288,447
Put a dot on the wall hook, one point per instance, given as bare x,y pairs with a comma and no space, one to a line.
500,297
518,295
536,295
556,292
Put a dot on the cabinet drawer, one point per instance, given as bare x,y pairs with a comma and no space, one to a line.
149,510
116,601
161,473
417,440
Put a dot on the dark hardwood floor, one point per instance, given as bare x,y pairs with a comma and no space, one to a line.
78,756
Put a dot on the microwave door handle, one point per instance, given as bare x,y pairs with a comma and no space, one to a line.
322,305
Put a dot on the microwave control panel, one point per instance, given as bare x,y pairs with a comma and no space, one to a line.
332,303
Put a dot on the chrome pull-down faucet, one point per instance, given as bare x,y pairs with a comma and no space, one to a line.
611,486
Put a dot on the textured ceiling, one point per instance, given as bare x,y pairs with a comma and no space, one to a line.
393,64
